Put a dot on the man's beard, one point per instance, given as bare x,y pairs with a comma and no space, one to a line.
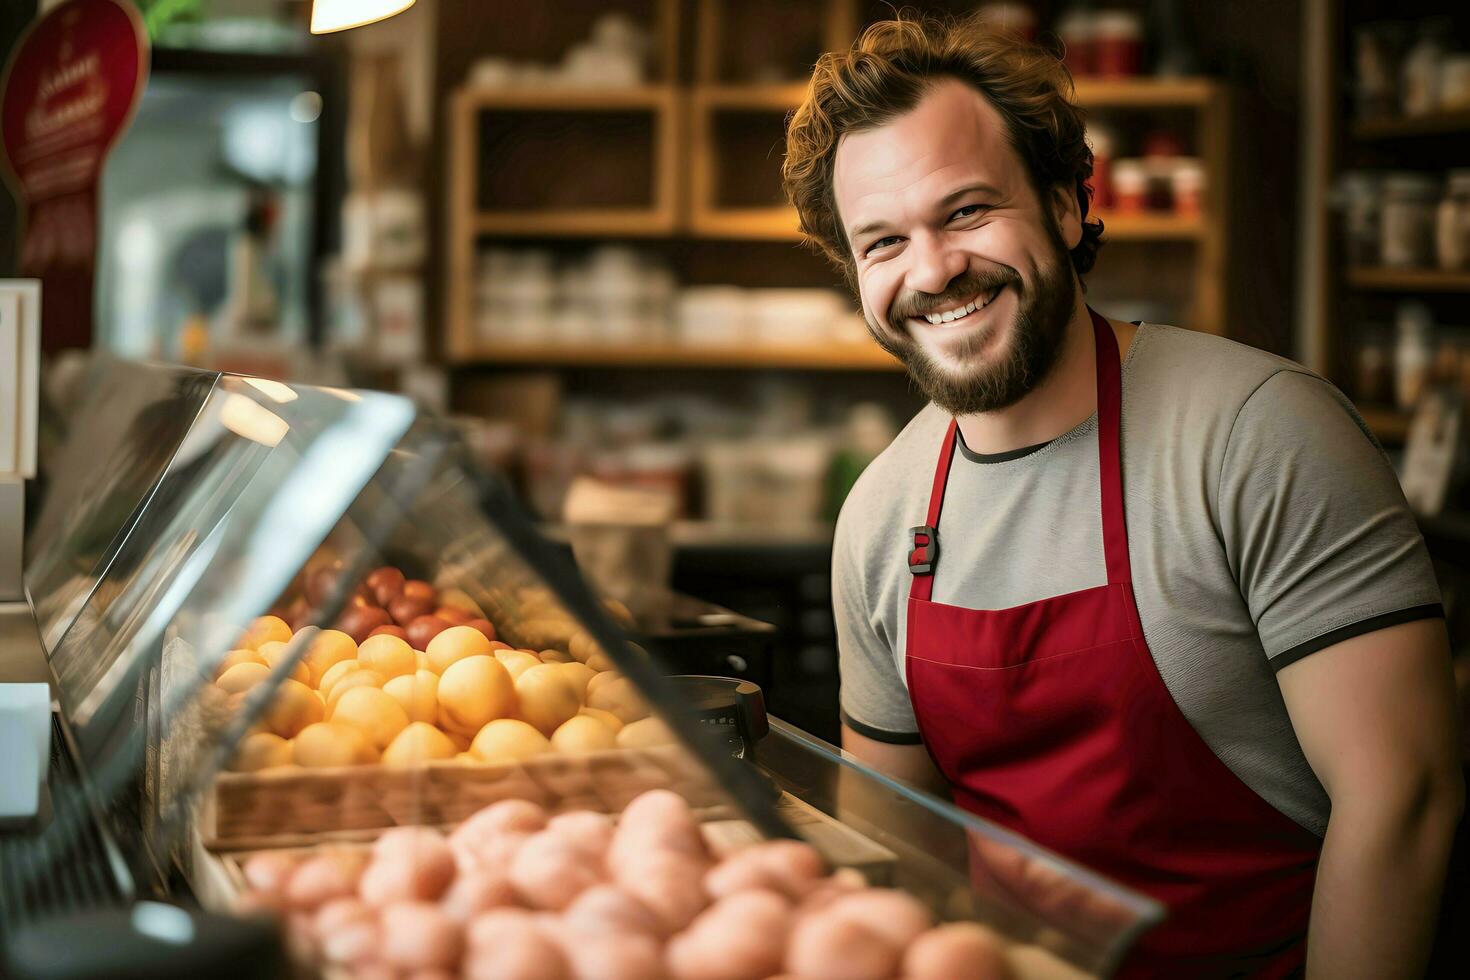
1035,338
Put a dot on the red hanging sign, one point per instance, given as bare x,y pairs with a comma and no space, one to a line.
69,91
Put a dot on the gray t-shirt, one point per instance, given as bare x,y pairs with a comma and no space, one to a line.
1264,524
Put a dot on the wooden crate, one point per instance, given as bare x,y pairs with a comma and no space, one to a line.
293,806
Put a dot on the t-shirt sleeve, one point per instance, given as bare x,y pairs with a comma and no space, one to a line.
874,700
1315,525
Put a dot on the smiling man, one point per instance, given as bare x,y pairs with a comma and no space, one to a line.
1149,597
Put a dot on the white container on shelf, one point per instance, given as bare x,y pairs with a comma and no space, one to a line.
1409,201
794,316
710,315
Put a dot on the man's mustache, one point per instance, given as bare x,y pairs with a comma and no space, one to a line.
916,304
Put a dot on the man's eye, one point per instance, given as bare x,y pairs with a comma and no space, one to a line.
884,242
969,210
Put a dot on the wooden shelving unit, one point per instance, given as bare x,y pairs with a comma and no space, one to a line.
825,357
1339,298
694,178
1394,128
1409,280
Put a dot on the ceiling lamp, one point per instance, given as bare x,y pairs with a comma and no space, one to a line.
339,15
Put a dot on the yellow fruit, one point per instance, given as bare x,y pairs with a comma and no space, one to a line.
264,630
421,661
329,648
455,644
508,740
455,731
600,661
372,710
242,677
517,661
353,679
474,691
620,613
583,734
456,599
261,750
581,646
619,697
417,694
387,654
555,657
580,675
335,673
236,657
546,697
274,652
461,742
645,734
606,717
600,678
418,743
330,744
294,707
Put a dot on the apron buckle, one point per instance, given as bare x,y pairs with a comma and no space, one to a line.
926,549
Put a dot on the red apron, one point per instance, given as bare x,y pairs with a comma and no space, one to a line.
1051,718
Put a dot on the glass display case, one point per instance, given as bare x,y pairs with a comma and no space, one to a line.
327,670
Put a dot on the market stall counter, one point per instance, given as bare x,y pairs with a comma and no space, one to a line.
327,674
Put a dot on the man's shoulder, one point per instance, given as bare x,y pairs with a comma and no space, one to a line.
1202,374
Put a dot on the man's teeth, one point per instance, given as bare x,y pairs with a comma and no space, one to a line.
978,303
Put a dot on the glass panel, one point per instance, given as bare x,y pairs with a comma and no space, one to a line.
119,442
957,863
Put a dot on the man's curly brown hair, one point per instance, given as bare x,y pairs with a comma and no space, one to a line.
888,71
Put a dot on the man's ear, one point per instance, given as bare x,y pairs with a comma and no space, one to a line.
1067,212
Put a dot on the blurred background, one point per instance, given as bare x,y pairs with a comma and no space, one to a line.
561,222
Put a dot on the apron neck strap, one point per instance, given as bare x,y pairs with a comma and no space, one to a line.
1110,471
1109,449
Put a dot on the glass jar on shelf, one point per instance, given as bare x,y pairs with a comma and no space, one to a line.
1373,370
1409,201
1421,70
1359,195
1452,223
1414,355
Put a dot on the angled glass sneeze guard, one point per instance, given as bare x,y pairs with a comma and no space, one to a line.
282,499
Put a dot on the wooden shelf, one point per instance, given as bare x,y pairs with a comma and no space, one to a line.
1145,93
1389,424
775,224
1403,127
595,223
1160,226
818,357
755,98
643,97
1409,280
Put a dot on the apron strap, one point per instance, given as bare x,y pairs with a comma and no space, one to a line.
924,540
1109,451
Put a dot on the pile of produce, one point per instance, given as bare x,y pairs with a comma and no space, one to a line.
463,695
516,894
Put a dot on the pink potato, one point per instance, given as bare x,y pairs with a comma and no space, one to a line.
267,875
608,908
524,955
957,950
742,937
477,891
419,936
320,879
656,820
496,926
493,852
836,947
670,884
893,914
611,957
548,873
586,830
357,941
790,867
518,815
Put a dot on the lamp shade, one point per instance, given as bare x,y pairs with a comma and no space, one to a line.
338,15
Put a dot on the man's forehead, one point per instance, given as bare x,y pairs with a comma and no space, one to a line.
954,135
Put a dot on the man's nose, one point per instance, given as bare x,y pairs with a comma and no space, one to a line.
933,264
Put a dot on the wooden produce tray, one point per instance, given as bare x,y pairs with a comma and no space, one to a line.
291,807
